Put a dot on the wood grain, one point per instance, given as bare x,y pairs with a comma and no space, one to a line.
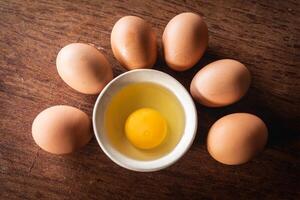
262,34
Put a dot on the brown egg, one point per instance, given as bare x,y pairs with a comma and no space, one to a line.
185,40
237,138
61,129
133,42
83,68
220,83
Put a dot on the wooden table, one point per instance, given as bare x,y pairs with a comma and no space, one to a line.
263,35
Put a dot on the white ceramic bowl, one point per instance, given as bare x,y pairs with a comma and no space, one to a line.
152,76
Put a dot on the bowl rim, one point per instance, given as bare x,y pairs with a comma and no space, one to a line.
168,159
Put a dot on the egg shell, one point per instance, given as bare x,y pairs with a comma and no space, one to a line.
237,138
61,129
83,68
220,83
185,40
133,42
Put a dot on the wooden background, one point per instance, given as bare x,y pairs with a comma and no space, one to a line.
262,34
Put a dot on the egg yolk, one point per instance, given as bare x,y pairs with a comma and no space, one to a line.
146,128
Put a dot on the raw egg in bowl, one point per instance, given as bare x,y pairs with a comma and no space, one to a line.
144,120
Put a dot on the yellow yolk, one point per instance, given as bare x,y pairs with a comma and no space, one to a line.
146,128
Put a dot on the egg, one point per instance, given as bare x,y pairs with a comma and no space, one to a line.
220,83
143,120
237,138
133,42
61,129
83,68
146,128
184,40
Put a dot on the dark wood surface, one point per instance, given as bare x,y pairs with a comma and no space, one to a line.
262,34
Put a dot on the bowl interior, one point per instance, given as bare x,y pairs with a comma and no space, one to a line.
136,96
158,78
